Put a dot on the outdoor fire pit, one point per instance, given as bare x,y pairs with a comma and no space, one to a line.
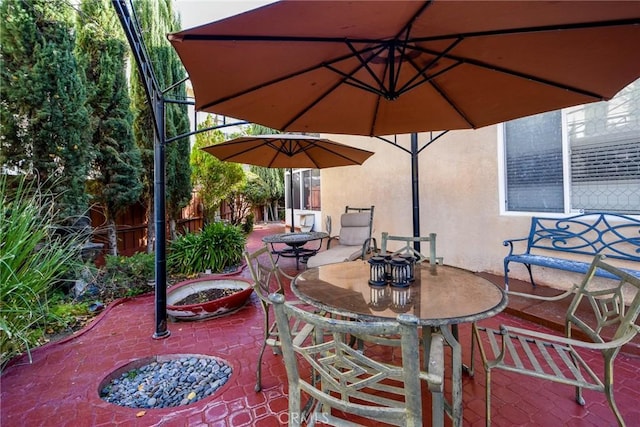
207,297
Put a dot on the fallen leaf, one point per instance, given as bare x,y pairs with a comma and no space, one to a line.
141,414
191,395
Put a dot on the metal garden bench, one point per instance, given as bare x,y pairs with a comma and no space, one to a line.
562,243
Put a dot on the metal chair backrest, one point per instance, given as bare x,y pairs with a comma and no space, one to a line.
265,273
409,249
350,381
267,278
607,303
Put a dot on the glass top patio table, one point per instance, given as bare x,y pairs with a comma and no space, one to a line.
295,244
294,238
440,296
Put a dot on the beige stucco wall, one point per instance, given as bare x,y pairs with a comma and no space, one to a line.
459,198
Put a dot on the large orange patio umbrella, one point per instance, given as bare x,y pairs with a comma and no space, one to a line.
393,67
288,151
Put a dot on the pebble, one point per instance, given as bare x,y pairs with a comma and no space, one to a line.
167,384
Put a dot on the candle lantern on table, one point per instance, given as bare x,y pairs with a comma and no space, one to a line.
377,271
387,267
412,265
400,272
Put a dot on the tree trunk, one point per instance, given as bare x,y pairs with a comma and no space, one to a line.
172,229
151,231
112,236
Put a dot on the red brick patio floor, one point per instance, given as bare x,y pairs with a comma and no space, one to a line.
60,387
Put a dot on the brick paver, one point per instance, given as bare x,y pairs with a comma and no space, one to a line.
61,386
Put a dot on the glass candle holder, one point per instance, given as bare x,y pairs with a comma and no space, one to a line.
412,265
379,297
387,267
399,272
377,271
401,300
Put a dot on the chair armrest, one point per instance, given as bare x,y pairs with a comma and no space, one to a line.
331,239
633,331
281,271
543,298
509,242
366,247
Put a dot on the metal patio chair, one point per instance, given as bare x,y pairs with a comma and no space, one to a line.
557,358
409,249
268,278
351,382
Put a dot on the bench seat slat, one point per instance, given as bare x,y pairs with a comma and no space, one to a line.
564,264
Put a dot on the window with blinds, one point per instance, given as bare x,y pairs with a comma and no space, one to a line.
602,152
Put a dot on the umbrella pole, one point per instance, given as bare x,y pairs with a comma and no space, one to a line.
160,227
415,185
291,197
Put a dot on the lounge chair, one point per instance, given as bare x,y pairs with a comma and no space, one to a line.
353,242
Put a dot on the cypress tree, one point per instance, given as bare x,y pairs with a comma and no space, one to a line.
117,167
44,118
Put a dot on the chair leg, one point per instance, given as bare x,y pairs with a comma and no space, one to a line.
488,396
258,386
608,391
473,350
437,409
268,330
579,398
456,376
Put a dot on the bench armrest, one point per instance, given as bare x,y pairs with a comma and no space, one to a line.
509,242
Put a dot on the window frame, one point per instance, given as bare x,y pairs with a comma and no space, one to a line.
566,175
300,172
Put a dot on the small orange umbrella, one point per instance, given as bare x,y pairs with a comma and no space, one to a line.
288,151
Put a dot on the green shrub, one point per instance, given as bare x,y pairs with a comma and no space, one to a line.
33,258
126,276
64,312
218,246
247,225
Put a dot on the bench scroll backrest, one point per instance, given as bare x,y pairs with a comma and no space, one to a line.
616,236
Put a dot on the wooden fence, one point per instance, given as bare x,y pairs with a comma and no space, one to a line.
131,226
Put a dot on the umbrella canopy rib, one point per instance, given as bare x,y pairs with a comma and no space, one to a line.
491,67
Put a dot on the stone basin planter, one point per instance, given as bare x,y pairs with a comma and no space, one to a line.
207,309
